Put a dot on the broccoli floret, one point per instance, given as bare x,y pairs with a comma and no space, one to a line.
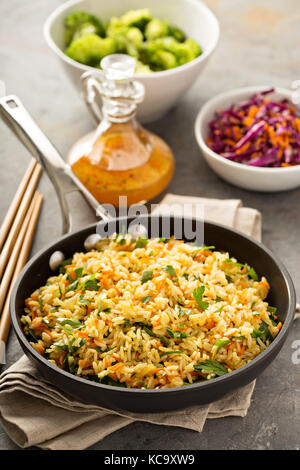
156,29
156,54
142,68
128,39
155,44
186,51
76,19
90,49
177,33
183,51
150,48
84,29
193,47
135,35
115,26
165,60
138,18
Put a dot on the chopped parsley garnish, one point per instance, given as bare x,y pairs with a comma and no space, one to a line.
163,240
219,309
170,270
220,343
210,366
70,321
163,340
90,284
61,345
40,300
31,333
66,262
182,312
235,263
141,242
252,273
263,333
78,274
146,299
59,289
249,271
72,286
176,334
166,353
198,294
84,301
146,276
272,310
272,314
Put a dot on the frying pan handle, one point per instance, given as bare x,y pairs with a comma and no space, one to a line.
64,181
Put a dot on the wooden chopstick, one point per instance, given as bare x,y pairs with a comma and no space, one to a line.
19,219
9,270
22,258
8,220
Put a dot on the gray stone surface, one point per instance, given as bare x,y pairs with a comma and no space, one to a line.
258,45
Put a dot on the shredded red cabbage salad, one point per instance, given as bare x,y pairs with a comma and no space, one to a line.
257,132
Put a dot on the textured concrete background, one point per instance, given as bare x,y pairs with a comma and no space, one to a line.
259,45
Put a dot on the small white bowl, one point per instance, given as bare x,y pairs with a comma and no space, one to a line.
163,89
244,176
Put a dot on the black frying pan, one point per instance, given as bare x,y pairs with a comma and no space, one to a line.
245,249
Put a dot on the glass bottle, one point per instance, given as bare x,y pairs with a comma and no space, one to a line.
120,158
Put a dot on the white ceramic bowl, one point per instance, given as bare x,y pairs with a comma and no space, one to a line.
244,176
163,89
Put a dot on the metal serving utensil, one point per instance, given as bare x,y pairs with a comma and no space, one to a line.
63,179
61,175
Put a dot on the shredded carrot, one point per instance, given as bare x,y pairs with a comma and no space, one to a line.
105,282
116,367
84,364
48,333
36,323
81,334
154,371
61,358
72,273
210,324
40,348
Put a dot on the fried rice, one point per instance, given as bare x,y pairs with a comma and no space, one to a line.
151,313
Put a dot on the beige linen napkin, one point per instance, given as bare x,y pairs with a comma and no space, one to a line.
35,413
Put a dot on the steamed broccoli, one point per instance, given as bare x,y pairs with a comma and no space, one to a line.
84,29
177,33
90,49
194,47
76,19
138,18
155,44
156,29
142,68
115,26
134,35
164,60
128,39
158,54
